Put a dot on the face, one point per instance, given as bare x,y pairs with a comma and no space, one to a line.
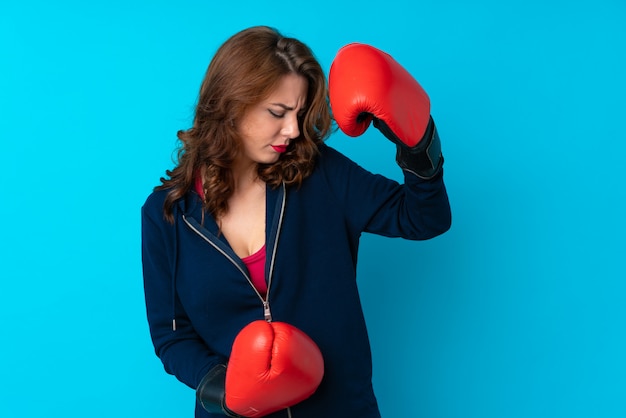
267,128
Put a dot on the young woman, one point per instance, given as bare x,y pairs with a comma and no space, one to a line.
260,222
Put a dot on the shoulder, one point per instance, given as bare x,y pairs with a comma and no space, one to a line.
153,205
326,151
338,165
155,199
329,157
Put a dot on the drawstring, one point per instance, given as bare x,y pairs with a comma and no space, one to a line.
173,267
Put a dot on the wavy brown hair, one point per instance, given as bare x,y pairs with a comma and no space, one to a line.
244,71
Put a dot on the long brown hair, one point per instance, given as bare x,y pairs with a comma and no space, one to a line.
243,72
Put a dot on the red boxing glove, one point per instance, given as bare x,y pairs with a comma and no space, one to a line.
366,84
273,365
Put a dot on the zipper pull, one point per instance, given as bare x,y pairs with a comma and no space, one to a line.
266,311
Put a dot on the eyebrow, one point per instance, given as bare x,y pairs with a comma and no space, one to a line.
284,106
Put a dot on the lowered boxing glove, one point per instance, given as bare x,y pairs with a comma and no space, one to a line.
273,365
367,85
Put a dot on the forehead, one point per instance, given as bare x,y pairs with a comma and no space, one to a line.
291,90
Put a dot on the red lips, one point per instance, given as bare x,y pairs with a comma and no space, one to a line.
279,148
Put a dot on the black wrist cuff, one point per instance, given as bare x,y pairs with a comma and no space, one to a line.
424,159
210,392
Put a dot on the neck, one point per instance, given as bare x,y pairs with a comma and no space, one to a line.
245,176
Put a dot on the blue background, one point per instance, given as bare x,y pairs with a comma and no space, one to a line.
518,311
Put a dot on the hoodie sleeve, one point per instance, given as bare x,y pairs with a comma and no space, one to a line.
176,343
419,209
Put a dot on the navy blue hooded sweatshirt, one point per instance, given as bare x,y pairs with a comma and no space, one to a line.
199,295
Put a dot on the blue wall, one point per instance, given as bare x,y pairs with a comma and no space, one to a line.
518,311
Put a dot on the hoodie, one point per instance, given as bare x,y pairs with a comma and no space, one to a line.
199,294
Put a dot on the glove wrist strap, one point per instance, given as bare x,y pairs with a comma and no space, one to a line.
424,159
210,392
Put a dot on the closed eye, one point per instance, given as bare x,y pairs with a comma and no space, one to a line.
276,115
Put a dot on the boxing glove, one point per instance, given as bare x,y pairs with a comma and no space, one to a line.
273,365
367,85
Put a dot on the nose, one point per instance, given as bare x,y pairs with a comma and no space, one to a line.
290,127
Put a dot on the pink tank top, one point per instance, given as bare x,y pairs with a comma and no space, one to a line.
254,262
256,267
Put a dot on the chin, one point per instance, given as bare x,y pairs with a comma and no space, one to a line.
270,159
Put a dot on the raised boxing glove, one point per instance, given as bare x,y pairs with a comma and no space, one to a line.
367,85
273,365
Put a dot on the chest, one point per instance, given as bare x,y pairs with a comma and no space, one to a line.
244,225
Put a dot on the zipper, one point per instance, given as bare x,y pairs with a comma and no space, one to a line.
266,304
267,313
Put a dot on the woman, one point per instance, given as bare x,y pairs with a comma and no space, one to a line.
261,220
